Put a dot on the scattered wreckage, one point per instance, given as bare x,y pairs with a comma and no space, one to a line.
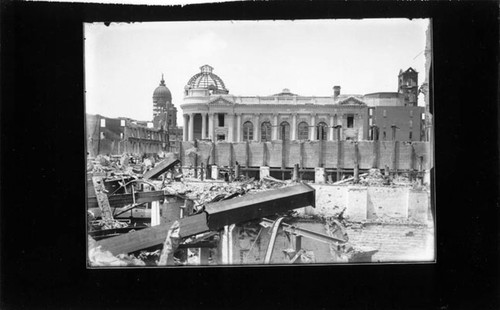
192,222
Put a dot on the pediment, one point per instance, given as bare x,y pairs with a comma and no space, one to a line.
351,101
220,101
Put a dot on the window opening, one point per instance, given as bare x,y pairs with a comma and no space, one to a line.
350,121
265,128
284,133
221,119
303,131
248,131
321,132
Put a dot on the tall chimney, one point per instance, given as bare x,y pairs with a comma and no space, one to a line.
336,92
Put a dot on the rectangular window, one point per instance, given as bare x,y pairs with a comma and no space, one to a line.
370,122
103,122
102,135
411,113
121,135
423,116
350,121
385,113
122,123
410,135
411,123
221,119
370,112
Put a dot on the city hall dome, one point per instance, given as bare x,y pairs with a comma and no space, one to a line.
207,80
162,93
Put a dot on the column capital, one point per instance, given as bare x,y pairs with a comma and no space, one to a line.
204,113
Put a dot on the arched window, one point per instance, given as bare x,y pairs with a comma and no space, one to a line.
247,131
303,131
265,130
321,132
284,129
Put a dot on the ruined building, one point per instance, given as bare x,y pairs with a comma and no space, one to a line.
210,112
117,135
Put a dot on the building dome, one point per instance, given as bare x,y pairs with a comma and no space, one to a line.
162,93
207,80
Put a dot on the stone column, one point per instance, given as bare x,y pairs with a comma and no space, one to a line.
330,130
313,127
264,172
203,125
185,128
293,133
230,132
211,126
274,131
191,127
257,127
238,127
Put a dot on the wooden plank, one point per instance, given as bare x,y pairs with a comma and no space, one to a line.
320,153
231,154
376,154
148,237
214,152
301,155
102,199
247,154
161,168
395,156
264,158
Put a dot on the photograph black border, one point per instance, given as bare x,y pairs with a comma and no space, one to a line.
43,171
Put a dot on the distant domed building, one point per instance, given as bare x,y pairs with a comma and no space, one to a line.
164,112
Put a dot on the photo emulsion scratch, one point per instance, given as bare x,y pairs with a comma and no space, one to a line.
226,143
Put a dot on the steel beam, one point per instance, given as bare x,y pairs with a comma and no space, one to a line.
270,246
118,201
161,168
259,205
148,237
304,232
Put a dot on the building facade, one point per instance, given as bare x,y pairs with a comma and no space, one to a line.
210,112
115,136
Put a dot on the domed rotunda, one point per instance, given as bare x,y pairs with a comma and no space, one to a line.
206,80
161,97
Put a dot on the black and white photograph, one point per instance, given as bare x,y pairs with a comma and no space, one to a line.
221,143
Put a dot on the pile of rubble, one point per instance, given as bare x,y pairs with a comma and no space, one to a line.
375,177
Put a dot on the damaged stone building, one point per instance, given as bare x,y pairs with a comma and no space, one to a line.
211,112
115,136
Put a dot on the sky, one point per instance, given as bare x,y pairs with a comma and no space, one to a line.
124,61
